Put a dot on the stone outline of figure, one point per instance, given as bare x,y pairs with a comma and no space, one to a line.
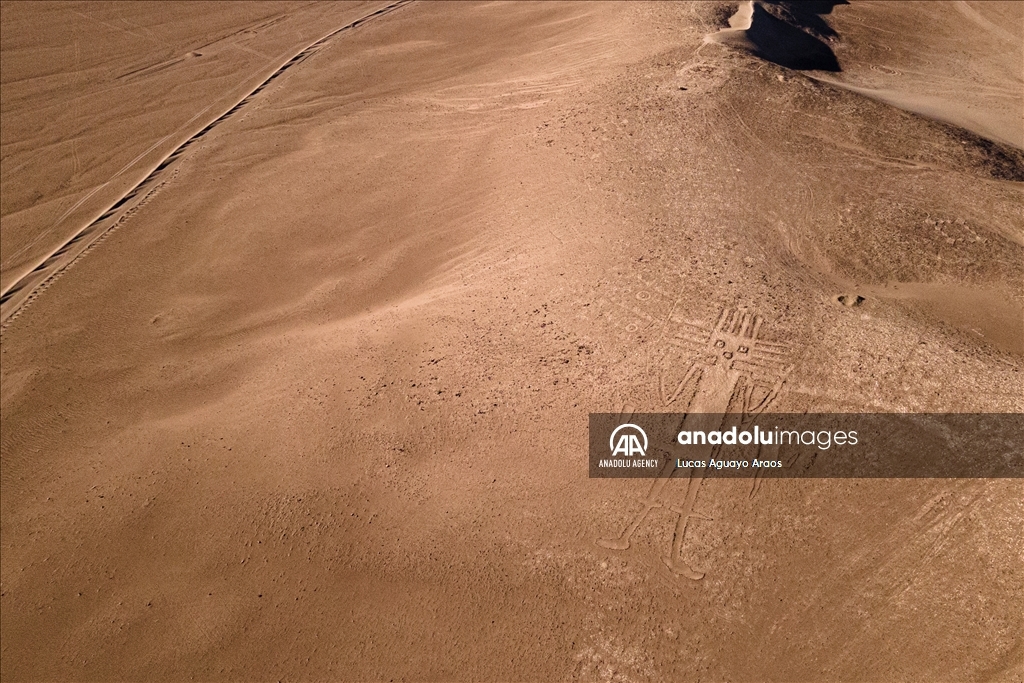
735,334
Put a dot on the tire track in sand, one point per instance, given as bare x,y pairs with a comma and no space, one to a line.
28,287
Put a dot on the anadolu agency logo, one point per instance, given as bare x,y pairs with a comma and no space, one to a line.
628,444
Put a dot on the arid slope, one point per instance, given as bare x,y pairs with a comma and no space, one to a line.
318,410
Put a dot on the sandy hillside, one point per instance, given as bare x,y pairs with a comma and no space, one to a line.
313,403
97,94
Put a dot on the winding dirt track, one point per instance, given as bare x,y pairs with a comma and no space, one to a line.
25,289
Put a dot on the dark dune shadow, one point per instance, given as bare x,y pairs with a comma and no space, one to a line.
787,44
805,15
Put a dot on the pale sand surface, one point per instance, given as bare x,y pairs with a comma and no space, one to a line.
961,62
96,94
317,410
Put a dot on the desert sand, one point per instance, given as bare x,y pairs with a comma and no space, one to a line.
298,354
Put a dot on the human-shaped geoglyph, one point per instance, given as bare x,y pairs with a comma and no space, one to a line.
731,374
